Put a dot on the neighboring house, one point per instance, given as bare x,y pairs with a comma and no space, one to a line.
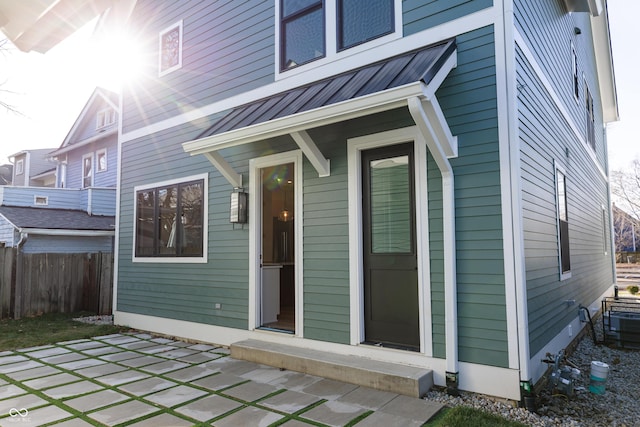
413,182
78,215
6,174
88,156
33,168
626,230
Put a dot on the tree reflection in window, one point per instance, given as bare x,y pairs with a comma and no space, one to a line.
169,220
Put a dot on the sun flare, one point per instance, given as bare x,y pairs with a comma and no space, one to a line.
117,60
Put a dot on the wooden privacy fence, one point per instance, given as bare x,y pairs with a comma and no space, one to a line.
32,284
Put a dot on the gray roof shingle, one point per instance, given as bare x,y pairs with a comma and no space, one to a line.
56,219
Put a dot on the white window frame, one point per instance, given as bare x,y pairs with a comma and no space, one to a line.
205,223
82,175
101,154
575,76
567,274
41,201
19,167
177,66
105,117
331,39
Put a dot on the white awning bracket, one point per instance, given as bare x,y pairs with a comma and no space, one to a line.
313,153
234,178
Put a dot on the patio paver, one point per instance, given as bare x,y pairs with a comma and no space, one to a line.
163,420
97,400
68,390
335,414
123,412
208,407
290,401
147,386
51,381
175,396
143,381
249,416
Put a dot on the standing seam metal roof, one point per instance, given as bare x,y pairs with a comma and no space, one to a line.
418,65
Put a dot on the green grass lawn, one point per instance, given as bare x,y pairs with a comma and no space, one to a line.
48,329
461,416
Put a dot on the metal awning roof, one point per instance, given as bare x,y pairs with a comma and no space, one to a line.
421,65
376,87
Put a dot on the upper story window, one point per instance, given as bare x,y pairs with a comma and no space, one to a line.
170,51
105,118
314,29
87,171
363,20
101,160
574,66
591,127
170,220
20,167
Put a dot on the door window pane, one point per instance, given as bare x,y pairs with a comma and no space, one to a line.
390,205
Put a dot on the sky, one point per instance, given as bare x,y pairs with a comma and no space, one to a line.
50,90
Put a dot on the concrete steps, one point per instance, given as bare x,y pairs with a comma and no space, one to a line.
395,378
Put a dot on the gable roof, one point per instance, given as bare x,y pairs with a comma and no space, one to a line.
99,95
56,219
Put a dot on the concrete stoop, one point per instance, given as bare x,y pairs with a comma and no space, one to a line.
401,379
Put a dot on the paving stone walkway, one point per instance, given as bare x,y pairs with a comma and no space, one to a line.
139,380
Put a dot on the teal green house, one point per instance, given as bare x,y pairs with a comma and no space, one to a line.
416,182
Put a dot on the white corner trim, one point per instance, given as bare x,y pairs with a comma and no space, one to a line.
510,183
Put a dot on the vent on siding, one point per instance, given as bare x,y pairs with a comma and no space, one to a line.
41,200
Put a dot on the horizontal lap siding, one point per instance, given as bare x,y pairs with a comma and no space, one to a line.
468,98
188,291
545,138
231,42
436,257
549,31
326,228
419,14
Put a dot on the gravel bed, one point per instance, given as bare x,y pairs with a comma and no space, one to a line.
619,406
96,320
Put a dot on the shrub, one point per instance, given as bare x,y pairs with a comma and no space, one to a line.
633,289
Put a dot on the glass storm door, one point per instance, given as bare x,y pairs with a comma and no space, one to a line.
389,254
278,249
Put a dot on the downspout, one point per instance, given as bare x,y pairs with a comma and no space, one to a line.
17,310
435,146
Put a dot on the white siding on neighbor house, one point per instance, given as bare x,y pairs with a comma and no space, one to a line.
7,232
67,244
102,201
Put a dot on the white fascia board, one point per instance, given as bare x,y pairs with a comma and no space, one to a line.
84,142
604,66
341,111
72,233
